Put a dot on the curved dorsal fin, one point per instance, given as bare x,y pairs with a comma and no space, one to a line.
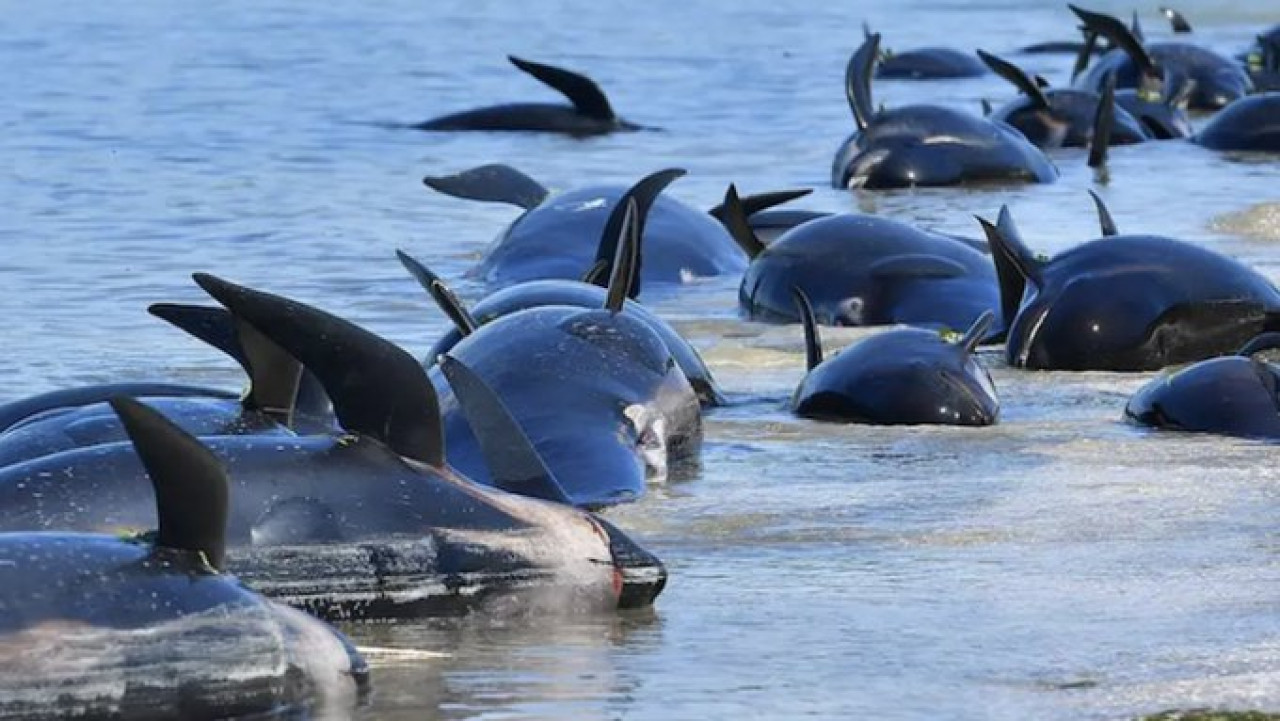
514,464
1015,264
857,80
581,90
443,295
1176,20
1121,36
1015,75
812,343
1259,343
1086,53
1103,119
626,264
377,389
644,193
1105,221
273,374
213,325
734,218
190,483
494,183
972,337
753,204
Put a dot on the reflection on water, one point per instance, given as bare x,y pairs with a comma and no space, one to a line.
1060,565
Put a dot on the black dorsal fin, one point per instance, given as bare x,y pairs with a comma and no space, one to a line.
1085,55
273,373
190,483
494,183
626,264
1015,75
1177,20
857,80
213,325
973,337
514,464
443,295
753,204
1105,221
1121,36
1015,265
734,218
645,192
812,343
581,90
1103,119
376,388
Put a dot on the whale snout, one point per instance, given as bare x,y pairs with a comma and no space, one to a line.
640,575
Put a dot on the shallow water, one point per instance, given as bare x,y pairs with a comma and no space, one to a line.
1060,565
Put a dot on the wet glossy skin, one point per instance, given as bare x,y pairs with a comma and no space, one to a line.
55,402
903,376
534,117
560,237
930,64
1130,303
599,395
1250,124
538,293
96,424
1161,120
301,496
1219,80
833,260
1233,396
101,615
927,145
1069,121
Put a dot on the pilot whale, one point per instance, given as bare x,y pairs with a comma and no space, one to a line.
864,270
590,112
149,626
901,376
371,522
558,236
1125,302
926,145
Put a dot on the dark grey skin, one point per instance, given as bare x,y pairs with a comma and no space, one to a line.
430,541
1249,124
1134,64
559,236
598,393
904,376
1057,117
99,626
590,113
866,270
927,145
1126,302
14,414
1233,395
538,293
929,64
280,398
